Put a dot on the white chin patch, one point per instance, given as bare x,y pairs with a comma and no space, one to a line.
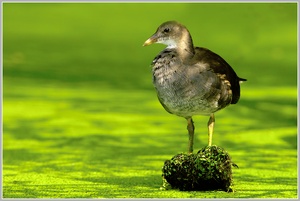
169,42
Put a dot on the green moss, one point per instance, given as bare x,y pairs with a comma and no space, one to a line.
209,169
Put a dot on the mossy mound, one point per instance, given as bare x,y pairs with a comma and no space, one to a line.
209,169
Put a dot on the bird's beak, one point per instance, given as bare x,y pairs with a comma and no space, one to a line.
151,40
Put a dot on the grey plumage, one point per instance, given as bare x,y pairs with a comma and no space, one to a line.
191,80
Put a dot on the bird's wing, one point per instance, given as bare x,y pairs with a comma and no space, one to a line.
220,67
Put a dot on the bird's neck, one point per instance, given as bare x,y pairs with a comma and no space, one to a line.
185,47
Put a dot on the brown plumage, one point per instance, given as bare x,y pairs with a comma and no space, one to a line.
191,80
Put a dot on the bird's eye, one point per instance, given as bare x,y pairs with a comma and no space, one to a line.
166,30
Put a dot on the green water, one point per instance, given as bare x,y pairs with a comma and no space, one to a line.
81,118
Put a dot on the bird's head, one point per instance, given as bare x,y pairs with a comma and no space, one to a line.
170,33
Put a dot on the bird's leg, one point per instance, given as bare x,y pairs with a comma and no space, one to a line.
210,124
190,128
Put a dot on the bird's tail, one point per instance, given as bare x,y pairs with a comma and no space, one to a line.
241,80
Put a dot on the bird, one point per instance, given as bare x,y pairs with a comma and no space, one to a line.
191,80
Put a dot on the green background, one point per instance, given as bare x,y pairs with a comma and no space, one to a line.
81,118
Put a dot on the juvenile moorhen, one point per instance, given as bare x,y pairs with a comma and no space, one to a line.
191,80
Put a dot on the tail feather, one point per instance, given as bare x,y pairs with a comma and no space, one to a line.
241,80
